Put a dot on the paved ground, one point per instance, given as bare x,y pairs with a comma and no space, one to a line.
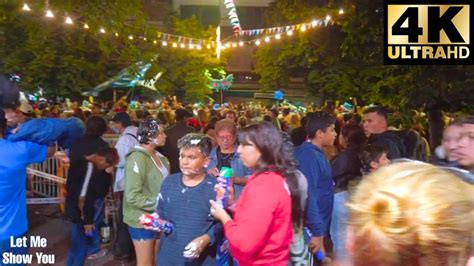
46,221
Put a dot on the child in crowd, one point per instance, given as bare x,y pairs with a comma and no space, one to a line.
373,157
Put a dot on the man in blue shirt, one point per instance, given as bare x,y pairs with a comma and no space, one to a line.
14,158
314,165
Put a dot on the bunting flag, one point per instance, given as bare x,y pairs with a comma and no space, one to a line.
234,19
289,28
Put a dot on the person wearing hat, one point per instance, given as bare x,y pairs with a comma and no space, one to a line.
174,133
121,124
14,157
18,116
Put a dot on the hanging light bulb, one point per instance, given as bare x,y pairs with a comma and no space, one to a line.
144,38
208,46
182,45
191,46
328,18
68,20
116,34
257,42
303,28
164,43
267,39
49,14
234,45
155,42
314,23
241,43
102,30
26,7
175,45
130,37
86,26
199,47
278,36
289,33
227,45
341,11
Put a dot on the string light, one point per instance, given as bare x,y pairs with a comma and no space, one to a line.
26,7
116,34
341,11
241,43
328,18
191,46
86,26
182,45
209,46
227,45
164,43
144,38
314,23
303,28
267,39
199,47
130,37
155,42
234,45
289,33
68,20
175,45
257,42
49,14
102,30
278,36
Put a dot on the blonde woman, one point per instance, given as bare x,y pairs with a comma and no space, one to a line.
412,213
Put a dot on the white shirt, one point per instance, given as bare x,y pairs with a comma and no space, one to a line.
124,144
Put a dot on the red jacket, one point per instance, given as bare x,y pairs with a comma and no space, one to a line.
261,231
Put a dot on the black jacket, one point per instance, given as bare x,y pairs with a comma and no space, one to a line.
99,186
345,168
170,149
391,141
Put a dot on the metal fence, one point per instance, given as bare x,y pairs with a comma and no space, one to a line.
47,181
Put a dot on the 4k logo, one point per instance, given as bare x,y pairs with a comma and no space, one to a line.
437,32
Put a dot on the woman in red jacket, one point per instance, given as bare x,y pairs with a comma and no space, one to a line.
261,229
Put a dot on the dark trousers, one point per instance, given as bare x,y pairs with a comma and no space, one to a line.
123,245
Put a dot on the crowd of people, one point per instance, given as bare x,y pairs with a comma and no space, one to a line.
310,185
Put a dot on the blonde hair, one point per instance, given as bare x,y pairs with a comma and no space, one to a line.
412,213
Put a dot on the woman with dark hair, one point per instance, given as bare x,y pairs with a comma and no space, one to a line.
260,231
145,169
346,168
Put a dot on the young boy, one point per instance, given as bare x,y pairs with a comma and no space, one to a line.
85,185
184,201
373,157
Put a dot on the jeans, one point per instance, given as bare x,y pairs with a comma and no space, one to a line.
340,216
5,247
82,245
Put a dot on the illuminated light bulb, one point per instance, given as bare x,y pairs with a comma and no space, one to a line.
223,47
341,11
102,30
191,46
68,20
267,39
86,26
241,43
314,23
130,37
278,36
290,33
116,34
303,28
257,42
234,45
26,7
175,45
199,47
182,45
227,45
164,43
144,38
208,46
155,42
328,17
49,14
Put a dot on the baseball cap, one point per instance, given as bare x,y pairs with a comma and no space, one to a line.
25,108
122,117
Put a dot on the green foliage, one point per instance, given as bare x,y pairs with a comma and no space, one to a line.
66,60
346,60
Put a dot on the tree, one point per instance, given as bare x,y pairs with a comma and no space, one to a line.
65,60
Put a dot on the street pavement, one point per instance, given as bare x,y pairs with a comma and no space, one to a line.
47,221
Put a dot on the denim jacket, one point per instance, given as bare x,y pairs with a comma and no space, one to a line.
238,168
